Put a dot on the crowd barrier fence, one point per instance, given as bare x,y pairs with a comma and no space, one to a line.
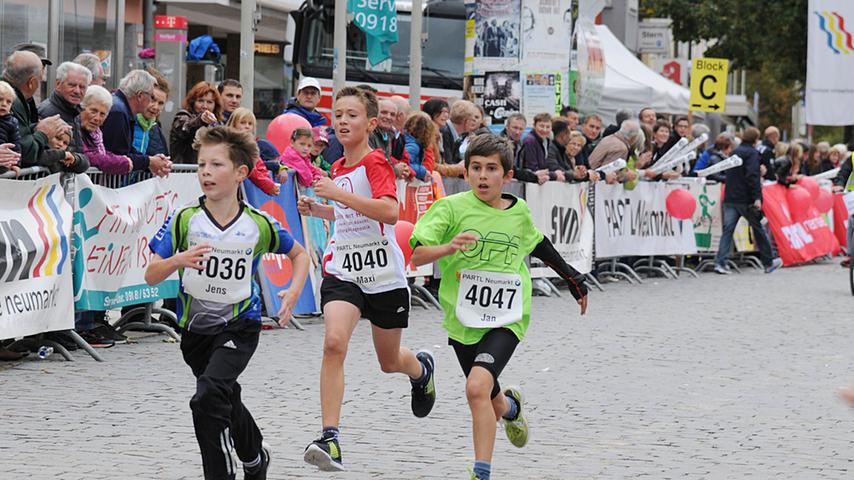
594,227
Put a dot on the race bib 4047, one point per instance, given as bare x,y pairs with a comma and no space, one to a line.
489,299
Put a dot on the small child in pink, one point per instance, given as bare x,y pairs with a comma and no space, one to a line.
296,156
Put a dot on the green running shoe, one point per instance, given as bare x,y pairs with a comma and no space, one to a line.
516,430
424,396
325,454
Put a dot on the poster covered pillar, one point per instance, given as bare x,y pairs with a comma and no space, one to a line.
170,43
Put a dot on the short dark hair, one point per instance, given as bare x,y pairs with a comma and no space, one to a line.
659,124
542,117
366,97
488,144
434,106
515,116
559,125
242,149
367,88
228,82
750,135
679,119
565,110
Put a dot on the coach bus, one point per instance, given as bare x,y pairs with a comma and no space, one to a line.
442,51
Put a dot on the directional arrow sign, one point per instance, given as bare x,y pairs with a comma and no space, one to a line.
708,84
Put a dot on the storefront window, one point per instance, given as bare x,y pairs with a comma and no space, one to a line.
22,21
89,26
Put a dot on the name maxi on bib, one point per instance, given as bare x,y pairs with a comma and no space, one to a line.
226,276
489,299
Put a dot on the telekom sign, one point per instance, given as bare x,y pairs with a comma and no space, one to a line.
170,21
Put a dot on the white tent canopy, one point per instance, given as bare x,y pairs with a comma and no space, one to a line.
630,84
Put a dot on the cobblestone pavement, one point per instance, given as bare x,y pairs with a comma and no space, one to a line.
717,377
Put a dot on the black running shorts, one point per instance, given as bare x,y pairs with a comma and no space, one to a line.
386,310
492,352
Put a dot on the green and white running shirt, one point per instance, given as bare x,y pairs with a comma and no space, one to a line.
488,286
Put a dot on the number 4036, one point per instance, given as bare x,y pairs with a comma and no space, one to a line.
487,297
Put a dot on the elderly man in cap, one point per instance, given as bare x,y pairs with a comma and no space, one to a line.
24,71
305,103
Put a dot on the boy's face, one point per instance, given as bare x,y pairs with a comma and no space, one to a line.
544,129
352,124
487,177
317,148
218,176
302,145
59,143
5,104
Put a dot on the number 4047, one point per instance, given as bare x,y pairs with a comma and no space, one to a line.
486,297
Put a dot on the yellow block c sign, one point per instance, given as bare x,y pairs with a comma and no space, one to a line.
708,84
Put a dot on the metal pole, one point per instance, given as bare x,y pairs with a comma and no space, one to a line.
148,23
118,64
415,57
53,16
247,51
339,50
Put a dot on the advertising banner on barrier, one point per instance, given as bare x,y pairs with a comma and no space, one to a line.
801,234
840,221
708,223
636,222
35,258
415,198
276,271
560,212
111,231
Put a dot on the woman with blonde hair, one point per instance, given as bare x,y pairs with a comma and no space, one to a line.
243,119
421,134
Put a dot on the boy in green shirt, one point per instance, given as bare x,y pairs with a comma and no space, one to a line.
481,238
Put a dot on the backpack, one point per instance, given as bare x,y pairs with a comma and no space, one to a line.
203,48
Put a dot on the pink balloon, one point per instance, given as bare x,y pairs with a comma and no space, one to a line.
680,204
403,232
811,185
799,201
824,202
280,129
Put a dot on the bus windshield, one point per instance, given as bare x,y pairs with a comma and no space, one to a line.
442,54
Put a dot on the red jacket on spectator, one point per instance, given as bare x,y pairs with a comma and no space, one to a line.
260,176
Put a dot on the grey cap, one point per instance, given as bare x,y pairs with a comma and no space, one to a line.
36,48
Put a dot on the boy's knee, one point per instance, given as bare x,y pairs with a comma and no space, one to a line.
389,365
334,346
210,397
479,387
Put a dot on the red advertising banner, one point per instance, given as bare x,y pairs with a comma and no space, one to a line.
800,231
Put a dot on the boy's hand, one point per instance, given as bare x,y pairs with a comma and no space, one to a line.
194,257
463,242
583,302
289,300
69,159
304,205
326,188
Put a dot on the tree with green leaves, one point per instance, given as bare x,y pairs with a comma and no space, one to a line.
767,38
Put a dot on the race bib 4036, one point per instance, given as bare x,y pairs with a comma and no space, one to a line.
226,276
489,299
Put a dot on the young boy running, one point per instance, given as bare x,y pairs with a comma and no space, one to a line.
363,271
481,238
215,244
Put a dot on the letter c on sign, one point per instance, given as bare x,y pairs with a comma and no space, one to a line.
703,89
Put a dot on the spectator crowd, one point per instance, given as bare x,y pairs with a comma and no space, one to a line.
80,124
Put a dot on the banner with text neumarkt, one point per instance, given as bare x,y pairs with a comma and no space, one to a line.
636,222
35,258
111,231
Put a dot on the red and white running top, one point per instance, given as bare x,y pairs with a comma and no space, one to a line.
362,250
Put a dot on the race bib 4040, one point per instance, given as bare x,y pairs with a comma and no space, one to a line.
489,299
366,261
227,276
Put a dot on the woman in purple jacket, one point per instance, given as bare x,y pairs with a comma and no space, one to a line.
96,105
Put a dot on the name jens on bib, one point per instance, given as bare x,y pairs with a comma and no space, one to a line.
489,299
367,261
226,276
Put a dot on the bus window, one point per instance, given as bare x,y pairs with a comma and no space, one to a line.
442,56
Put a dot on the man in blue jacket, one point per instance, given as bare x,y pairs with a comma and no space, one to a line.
743,198
135,93
305,103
